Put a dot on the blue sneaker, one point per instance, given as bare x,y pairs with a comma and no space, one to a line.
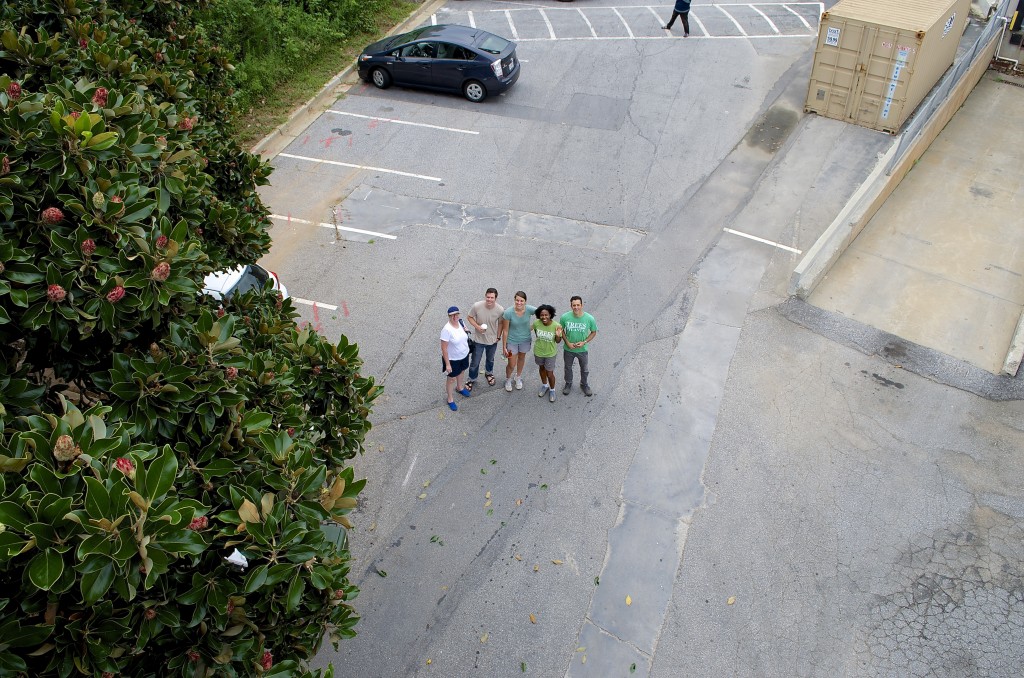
453,406
464,393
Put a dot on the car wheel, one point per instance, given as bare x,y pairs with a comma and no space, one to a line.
474,91
380,78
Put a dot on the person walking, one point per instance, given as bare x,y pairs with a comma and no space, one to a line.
545,351
485,317
515,333
579,329
681,10
454,356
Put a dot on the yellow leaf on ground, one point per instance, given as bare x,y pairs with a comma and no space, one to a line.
732,599
519,502
487,503
517,557
426,483
488,495
629,601
483,638
556,562
533,619
423,496
583,659
536,568
429,662
581,649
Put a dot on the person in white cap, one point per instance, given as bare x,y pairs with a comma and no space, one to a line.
485,317
454,356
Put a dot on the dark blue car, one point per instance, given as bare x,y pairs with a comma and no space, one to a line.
449,57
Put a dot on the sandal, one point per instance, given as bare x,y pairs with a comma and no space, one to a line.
469,386
490,379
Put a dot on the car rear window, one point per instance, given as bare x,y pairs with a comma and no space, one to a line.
493,44
252,279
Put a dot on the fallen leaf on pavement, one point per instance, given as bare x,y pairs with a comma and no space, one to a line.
488,495
732,599
517,557
483,638
556,562
519,502
426,483
533,619
536,568
487,503
629,601
423,496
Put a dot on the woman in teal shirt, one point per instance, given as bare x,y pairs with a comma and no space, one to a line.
515,332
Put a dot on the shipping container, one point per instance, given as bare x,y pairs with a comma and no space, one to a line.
877,59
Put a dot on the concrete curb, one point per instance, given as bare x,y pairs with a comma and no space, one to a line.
275,142
1016,352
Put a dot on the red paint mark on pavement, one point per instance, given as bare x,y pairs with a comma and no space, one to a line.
319,328
306,140
328,141
344,308
373,124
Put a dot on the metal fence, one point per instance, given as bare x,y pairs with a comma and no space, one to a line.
993,30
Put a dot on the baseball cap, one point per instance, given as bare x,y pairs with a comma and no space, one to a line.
453,309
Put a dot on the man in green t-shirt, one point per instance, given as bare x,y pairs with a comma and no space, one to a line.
580,329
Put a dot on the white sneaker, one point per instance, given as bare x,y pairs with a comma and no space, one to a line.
542,391
508,384
519,383
551,396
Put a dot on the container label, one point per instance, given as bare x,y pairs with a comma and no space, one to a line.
901,62
949,24
832,37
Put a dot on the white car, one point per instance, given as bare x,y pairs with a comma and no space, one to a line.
224,284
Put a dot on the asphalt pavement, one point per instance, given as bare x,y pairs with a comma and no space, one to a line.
762,485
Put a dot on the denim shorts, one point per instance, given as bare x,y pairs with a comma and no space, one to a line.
521,347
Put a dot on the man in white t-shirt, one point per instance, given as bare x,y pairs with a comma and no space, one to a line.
485,317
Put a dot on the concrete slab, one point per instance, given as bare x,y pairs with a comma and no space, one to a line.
942,262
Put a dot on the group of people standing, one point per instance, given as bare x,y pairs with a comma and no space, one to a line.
515,329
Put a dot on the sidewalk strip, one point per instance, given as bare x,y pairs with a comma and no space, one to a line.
766,242
340,228
315,304
362,167
402,122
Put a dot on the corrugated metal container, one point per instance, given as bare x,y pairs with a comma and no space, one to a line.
877,59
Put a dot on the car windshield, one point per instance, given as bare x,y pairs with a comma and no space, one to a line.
493,44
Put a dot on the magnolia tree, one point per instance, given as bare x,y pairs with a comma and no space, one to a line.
173,480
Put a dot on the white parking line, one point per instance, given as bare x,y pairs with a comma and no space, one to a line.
589,25
628,29
363,167
472,21
307,302
403,122
766,242
551,30
800,17
770,22
511,26
732,19
281,217
657,17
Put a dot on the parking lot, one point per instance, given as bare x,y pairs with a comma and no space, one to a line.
607,171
